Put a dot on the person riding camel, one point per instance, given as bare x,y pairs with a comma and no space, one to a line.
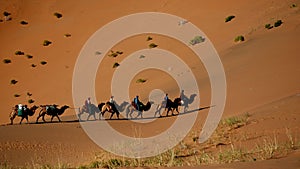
88,104
137,103
20,110
166,99
111,100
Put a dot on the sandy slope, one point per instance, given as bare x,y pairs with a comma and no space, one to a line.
259,71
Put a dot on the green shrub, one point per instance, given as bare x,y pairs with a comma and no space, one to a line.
141,81
116,64
43,62
6,61
24,23
19,53
239,38
58,15
47,43
268,26
229,18
13,81
152,45
196,40
30,101
277,23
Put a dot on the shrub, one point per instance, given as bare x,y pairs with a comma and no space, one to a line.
24,23
29,56
141,81
6,61
13,81
43,62
268,26
47,43
5,13
98,53
58,15
67,35
29,94
196,40
19,53
293,6
30,101
17,95
149,38
33,65
239,38
119,52
116,64
229,18
152,45
277,23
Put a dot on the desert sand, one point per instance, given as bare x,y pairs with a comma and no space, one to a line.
261,75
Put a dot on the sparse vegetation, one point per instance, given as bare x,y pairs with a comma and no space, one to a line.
293,6
19,52
47,43
17,95
30,101
13,81
119,52
98,53
152,45
24,23
29,94
6,61
196,40
57,15
268,26
149,38
43,62
115,54
142,56
141,81
116,64
29,56
33,65
229,18
5,13
278,23
67,35
239,38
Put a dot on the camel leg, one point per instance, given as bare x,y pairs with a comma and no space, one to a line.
52,118
112,115
27,119
21,120
58,118
94,116
43,118
118,114
169,108
88,117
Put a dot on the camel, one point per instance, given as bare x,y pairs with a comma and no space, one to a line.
171,106
93,110
142,107
108,107
52,111
26,112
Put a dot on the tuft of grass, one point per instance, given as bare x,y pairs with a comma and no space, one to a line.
113,54
47,43
6,61
152,45
43,62
67,35
142,56
29,94
196,40
98,53
116,64
19,52
293,6
13,81
17,95
229,18
149,38
5,13
30,101
119,52
57,15
141,81
33,65
268,26
239,38
24,23
278,23
29,56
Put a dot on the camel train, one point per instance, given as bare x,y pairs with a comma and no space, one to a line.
23,112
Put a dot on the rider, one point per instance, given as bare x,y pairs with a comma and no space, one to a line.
20,110
111,100
166,100
137,102
88,104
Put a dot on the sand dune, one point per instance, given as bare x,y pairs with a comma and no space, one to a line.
261,72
